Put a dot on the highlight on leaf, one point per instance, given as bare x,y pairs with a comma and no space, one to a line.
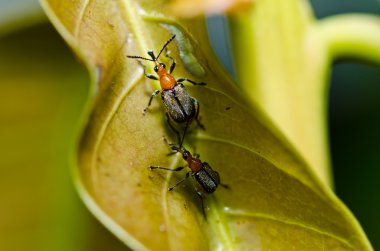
191,8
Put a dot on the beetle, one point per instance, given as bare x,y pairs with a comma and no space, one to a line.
179,105
207,178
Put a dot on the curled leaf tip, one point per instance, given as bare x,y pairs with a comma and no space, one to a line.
187,8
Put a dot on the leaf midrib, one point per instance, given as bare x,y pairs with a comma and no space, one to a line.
80,18
136,30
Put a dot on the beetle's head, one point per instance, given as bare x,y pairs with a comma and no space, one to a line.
159,67
186,154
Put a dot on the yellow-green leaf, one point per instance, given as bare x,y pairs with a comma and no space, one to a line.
283,59
274,203
41,100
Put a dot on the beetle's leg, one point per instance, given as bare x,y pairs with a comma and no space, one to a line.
173,146
147,74
172,66
154,94
170,144
197,114
167,169
183,136
180,80
225,186
172,127
203,206
179,182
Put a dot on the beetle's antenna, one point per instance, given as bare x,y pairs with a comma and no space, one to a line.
166,44
175,147
140,58
151,54
183,149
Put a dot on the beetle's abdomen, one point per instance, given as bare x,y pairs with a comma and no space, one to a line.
207,178
178,103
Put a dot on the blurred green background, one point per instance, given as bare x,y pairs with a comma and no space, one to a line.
43,90
354,126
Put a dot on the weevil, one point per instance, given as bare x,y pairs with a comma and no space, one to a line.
179,105
207,178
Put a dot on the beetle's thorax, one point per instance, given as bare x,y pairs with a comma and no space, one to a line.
167,81
194,164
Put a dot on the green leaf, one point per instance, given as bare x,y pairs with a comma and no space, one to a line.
275,202
283,56
288,55
41,100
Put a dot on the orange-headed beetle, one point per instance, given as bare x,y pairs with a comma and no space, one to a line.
207,178
179,105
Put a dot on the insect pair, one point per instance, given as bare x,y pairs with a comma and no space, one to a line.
182,109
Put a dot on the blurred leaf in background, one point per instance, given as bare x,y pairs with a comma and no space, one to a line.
42,94
18,14
354,122
355,142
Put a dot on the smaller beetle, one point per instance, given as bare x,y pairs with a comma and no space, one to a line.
179,105
204,175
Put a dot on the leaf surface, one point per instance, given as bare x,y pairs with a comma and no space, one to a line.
275,202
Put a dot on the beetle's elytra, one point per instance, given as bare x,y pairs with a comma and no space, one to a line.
207,178
179,104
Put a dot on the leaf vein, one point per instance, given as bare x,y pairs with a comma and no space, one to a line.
80,18
206,137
